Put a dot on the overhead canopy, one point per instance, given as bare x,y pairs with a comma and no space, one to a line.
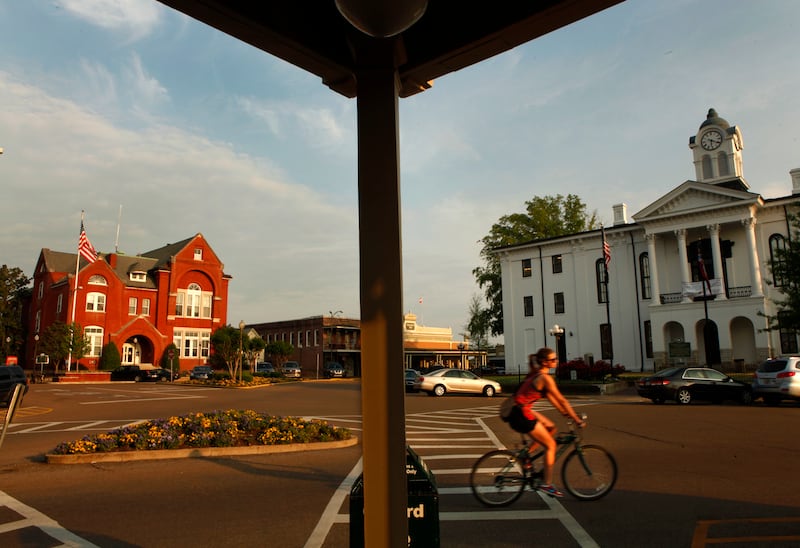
451,35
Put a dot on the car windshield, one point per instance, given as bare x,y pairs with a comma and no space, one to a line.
668,372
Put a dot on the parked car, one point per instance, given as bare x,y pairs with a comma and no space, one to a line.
159,374
265,367
11,376
457,381
686,384
201,372
777,379
130,373
412,380
333,369
292,369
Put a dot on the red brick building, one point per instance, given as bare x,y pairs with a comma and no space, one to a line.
177,293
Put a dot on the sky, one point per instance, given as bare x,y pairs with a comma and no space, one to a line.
159,128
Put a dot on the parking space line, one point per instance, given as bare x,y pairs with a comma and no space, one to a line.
701,537
34,518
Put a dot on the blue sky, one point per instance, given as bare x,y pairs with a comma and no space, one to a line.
129,103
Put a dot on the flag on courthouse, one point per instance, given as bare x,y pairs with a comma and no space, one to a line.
85,248
420,300
701,268
606,247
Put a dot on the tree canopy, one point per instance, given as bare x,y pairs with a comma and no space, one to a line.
14,289
786,272
544,217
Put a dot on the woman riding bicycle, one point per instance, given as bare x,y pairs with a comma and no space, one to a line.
524,419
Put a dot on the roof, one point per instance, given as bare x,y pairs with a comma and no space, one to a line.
451,34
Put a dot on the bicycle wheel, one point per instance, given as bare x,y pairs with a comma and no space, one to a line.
589,472
497,478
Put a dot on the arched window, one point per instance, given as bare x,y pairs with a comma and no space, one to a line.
722,164
97,279
193,302
95,302
777,244
708,168
602,281
644,274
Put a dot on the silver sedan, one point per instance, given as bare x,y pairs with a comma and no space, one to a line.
457,381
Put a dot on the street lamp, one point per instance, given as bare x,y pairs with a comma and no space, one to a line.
241,349
557,331
461,359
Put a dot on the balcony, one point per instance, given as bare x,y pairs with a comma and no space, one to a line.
740,292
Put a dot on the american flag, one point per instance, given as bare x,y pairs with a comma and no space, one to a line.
701,267
85,248
420,300
606,248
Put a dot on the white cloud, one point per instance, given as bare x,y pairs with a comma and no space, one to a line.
137,18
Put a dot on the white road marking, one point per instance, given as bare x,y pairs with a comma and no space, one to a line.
34,518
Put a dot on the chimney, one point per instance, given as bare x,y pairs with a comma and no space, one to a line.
795,173
112,260
621,214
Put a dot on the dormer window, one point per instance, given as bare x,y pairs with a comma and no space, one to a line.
198,253
138,276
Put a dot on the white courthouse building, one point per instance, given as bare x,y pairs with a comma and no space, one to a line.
654,307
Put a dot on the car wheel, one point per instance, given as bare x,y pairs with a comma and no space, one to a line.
137,378
747,397
684,396
488,391
439,390
163,379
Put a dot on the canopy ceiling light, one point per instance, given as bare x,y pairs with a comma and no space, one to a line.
382,18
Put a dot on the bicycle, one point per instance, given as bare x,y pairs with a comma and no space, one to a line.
499,477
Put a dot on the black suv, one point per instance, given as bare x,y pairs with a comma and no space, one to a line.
10,376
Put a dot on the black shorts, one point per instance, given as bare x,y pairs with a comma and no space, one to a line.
519,422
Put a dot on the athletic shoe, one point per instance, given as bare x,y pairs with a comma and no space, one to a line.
550,490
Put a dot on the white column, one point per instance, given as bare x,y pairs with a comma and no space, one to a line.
713,231
755,270
655,292
686,274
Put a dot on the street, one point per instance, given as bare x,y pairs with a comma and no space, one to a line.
688,475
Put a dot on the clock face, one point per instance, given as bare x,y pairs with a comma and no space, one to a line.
711,139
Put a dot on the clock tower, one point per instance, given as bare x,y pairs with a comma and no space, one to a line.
717,149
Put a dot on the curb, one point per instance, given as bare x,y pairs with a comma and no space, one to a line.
195,452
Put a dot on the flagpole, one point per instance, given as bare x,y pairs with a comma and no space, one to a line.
74,302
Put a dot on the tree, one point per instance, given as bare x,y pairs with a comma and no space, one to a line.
544,217
253,346
478,326
785,267
280,352
110,358
14,293
225,341
58,342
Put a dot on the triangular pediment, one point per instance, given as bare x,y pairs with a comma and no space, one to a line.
694,197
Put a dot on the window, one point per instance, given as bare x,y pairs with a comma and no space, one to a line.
308,338
95,337
299,339
95,302
316,337
97,279
777,245
708,170
138,276
526,268
193,302
145,307
132,306
602,281
198,253
291,338
557,267
192,343
59,303
722,164
527,305
788,336
41,290
644,274
558,303
606,344
648,339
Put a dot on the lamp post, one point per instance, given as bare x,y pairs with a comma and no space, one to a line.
241,349
461,359
557,331
36,355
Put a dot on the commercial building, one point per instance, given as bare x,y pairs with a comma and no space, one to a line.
689,279
177,293
321,339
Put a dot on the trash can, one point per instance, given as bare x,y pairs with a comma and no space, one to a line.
423,506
